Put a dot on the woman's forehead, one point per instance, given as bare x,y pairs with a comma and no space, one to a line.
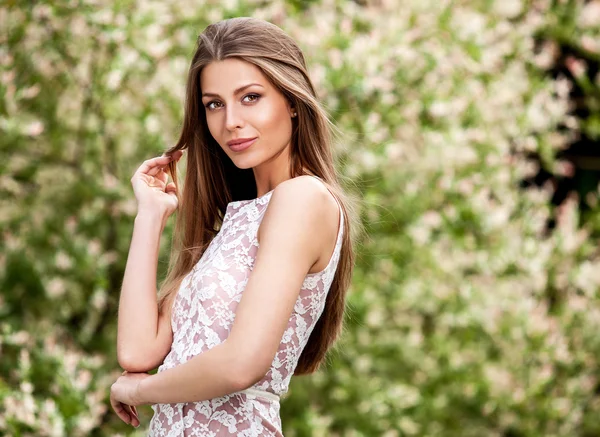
228,75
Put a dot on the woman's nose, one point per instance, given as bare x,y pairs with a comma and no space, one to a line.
233,119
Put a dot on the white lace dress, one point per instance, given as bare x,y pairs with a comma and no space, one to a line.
203,313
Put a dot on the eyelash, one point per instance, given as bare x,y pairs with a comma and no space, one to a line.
258,96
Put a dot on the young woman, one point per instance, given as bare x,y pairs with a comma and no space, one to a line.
262,255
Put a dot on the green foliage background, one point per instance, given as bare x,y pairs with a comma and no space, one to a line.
467,316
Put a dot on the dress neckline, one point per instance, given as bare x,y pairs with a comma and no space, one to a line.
245,201
235,203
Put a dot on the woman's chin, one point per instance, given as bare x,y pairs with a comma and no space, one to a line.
244,163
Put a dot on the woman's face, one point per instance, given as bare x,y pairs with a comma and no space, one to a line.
240,102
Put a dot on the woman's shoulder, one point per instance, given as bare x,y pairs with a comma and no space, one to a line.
305,204
306,191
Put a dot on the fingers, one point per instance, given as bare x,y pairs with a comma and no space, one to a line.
177,154
120,410
127,413
151,163
162,176
160,170
171,188
132,412
154,165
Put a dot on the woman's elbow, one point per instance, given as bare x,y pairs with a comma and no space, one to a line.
134,365
251,369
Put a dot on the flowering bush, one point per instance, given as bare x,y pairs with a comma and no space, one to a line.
467,315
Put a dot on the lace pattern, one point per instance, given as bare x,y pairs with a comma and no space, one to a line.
202,316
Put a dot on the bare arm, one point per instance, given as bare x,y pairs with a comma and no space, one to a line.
142,342
144,336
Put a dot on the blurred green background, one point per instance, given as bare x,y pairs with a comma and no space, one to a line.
471,135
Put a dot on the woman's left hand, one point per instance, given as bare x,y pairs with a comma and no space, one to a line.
125,390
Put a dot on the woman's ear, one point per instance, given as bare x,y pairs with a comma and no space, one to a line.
291,107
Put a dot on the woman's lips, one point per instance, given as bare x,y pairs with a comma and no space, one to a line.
242,146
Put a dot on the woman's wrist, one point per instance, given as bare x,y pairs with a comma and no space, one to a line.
139,393
151,217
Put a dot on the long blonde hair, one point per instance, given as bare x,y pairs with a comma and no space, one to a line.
212,180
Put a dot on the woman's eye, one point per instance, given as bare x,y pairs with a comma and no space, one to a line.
208,105
255,97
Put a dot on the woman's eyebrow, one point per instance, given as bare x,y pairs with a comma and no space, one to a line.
239,90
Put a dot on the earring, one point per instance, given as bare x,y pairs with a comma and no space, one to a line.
294,114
